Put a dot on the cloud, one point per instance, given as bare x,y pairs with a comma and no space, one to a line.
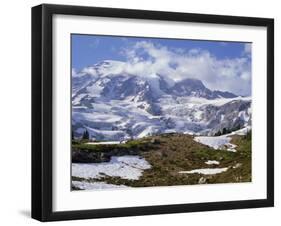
74,72
247,49
87,70
234,75
148,59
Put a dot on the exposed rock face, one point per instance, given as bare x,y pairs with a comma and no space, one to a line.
232,116
195,88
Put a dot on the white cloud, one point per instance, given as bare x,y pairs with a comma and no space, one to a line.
148,59
73,72
232,75
247,49
89,70
84,71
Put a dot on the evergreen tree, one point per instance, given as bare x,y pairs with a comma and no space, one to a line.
72,135
248,136
86,135
218,133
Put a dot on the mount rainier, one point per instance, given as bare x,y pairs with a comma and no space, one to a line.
113,104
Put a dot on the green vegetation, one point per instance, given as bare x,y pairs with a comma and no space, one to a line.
170,153
141,144
227,131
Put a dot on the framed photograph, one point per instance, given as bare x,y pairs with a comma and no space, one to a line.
146,112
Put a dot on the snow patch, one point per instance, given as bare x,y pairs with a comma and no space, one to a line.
217,142
212,162
78,98
126,167
223,141
206,171
150,130
105,142
95,185
242,132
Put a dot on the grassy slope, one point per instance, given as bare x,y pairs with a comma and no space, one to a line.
170,153
133,145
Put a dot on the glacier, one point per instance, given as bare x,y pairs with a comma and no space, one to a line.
116,106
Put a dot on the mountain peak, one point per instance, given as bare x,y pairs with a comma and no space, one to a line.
195,88
195,83
159,84
108,63
114,104
190,87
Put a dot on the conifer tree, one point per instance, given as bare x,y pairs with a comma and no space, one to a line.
86,135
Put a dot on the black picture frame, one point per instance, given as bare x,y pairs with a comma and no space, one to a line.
42,197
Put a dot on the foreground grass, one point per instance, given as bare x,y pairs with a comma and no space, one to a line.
170,153
141,144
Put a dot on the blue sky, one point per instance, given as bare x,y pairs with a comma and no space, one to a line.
90,49
220,65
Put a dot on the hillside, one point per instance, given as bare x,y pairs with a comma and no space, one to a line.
161,160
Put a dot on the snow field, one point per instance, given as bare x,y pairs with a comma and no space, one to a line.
126,167
96,185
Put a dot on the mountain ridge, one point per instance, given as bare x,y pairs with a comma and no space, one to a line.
134,105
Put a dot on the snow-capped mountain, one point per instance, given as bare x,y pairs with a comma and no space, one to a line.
194,87
114,105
